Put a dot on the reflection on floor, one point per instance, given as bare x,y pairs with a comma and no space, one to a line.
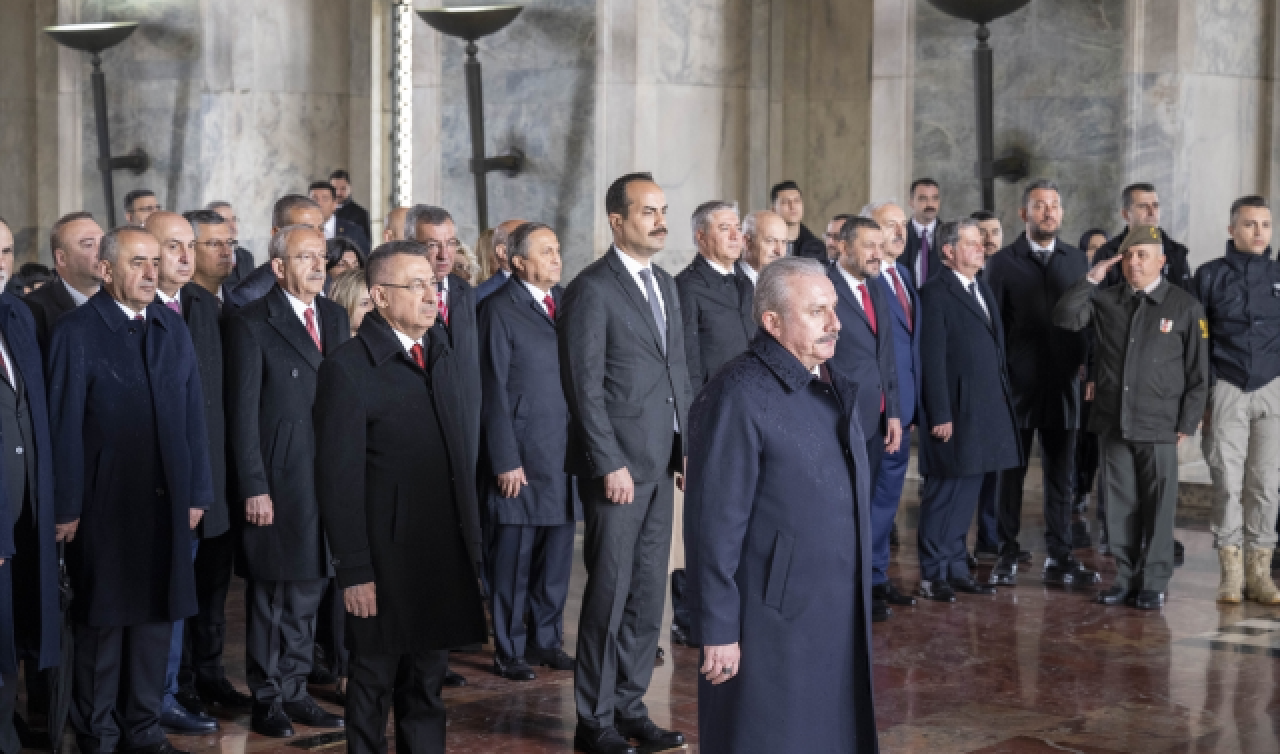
1033,669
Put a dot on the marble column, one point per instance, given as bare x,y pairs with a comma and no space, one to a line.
892,98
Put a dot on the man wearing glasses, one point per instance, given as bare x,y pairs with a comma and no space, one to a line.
139,205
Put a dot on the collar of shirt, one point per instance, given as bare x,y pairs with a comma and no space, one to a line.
165,298
750,272
76,296
537,293
506,274
131,314
1149,289
922,229
331,226
405,341
853,283
716,266
634,268
966,282
1037,247
300,308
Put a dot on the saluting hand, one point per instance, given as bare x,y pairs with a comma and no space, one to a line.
259,511
1099,271
510,482
361,600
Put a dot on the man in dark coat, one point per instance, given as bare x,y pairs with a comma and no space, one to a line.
1046,370
242,261
967,421
29,617
922,256
778,535
789,204
74,241
291,209
133,477
622,366
349,210
323,194
499,259
273,351
399,506
1140,205
532,507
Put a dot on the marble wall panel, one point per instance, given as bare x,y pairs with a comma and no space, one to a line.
1233,37
19,124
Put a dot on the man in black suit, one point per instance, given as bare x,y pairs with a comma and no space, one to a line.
74,241
789,204
324,195
922,231
622,364
389,449
348,210
273,350
1140,205
132,482
242,262
291,209
139,205
532,507
966,410
1046,367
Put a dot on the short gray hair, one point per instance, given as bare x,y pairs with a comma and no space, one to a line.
773,289
518,240
109,247
423,214
949,232
279,246
1042,184
869,211
702,215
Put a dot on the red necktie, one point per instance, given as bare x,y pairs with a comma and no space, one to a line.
310,315
550,303
441,297
865,296
418,357
174,306
902,297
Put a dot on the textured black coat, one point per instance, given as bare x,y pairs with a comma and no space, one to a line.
48,303
398,504
462,335
252,286
1044,361
525,418
131,458
204,321
717,318
271,368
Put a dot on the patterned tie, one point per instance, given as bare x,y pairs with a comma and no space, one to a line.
550,303
442,299
418,357
659,318
174,306
902,297
924,257
310,315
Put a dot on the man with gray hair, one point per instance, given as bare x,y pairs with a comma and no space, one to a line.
291,209
764,238
243,263
499,264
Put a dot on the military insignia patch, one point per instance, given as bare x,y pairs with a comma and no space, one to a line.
1204,330
1166,325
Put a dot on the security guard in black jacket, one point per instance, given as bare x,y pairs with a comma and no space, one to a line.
1141,206
1152,370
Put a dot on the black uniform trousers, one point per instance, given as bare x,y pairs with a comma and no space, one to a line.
529,568
411,682
23,575
280,618
989,512
206,631
118,686
1142,497
331,621
945,512
1057,458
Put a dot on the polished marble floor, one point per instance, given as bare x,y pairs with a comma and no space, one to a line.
1033,669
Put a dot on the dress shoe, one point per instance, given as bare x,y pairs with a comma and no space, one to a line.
1179,554
969,586
191,701
1104,548
311,714
891,595
1115,595
648,733
661,654
680,635
1081,504
601,741
938,591
164,747
1149,599
271,721
880,611
986,554
1067,572
556,659
513,670
175,718
453,680
1005,572
221,693
320,675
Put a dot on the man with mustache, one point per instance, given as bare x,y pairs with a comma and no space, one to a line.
922,255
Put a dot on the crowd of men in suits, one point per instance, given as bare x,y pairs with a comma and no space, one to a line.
171,414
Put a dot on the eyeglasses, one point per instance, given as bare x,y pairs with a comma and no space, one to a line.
218,245
416,287
435,246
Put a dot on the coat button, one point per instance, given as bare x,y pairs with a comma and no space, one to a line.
295,373
160,491
670,400
18,450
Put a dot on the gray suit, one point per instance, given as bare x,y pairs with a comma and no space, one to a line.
627,386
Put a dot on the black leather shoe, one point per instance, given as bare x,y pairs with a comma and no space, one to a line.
1067,572
890,595
601,741
175,718
1179,554
1081,504
164,747
969,586
311,714
680,635
660,655
1115,595
1148,599
1005,572
222,694
985,554
647,733
513,670
1104,548
880,611
270,721
453,680
556,659
191,701
321,676
938,591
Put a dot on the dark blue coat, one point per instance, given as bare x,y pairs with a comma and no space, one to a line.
864,357
132,460
525,419
777,538
906,344
964,382
19,330
491,286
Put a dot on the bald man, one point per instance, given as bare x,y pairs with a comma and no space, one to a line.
764,235
500,263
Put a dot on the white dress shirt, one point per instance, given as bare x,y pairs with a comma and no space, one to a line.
10,369
967,282
442,292
408,343
300,309
1036,248
165,299
634,268
751,273
331,227
538,294
76,296
131,314
715,266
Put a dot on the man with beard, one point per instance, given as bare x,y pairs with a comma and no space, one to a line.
991,230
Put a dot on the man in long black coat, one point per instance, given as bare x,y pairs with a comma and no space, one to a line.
273,351
1046,368
399,507
131,453
74,243
778,535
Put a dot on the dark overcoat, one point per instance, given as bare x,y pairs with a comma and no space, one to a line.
19,329
717,318
204,321
1044,361
463,338
911,254
777,537
525,421
865,357
48,303
398,505
965,383
130,451
271,368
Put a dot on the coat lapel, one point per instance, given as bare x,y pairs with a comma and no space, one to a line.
19,347
846,293
521,294
280,315
958,290
638,300
725,295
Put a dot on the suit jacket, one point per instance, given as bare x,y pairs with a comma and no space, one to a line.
397,499
353,232
252,286
132,460
1044,360
717,318
912,253
19,330
462,335
525,420
48,303
965,383
623,387
906,343
864,357
203,314
491,286
271,368
809,246
244,265
353,213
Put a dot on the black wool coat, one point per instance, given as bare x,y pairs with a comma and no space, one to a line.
48,303
204,321
463,338
271,369
717,318
398,504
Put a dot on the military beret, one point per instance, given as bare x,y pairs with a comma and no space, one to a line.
1142,234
